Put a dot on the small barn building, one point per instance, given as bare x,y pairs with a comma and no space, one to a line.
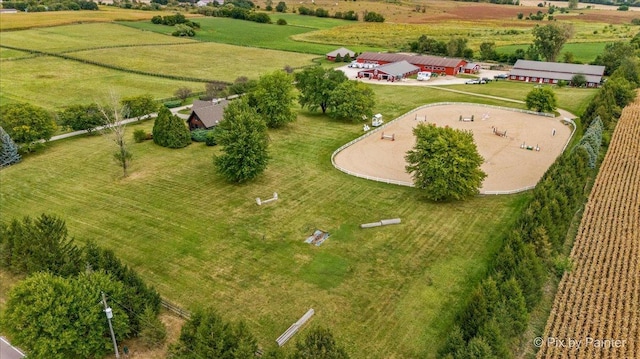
206,114
390,72
342,52
471,68
552,72
434,64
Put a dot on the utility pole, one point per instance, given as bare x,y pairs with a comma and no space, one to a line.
109,314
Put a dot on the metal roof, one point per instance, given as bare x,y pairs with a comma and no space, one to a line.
342,51
413,59
559,67
396,69
553,75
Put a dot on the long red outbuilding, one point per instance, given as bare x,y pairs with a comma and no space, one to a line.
439,65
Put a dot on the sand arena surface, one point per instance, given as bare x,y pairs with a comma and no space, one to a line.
508,167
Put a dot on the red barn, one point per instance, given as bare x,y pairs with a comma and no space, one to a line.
438,65
342,52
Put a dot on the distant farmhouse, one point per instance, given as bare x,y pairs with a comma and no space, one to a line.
391,72
552,72
435,64
342,52
206,114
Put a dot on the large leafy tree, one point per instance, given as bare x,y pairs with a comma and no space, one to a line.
27,124
549,39
8,150
207,335
82,117
273,98
53,317
541,99
445,163
351,100
243,135
613,55
170,131
138,106
30,246
319,344
316,85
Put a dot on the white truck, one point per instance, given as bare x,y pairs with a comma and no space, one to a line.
424,76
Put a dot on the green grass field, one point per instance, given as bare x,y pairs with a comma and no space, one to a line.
570,99
84,36
582,52
388,292
268,36
201,60
55,83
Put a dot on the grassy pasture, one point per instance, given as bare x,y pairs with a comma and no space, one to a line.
44,19
388,292
268,36
84,36
201,60
570,99
55,83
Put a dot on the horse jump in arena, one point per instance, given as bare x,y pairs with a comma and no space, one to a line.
466,119
530,148
499,133
391,137
421,118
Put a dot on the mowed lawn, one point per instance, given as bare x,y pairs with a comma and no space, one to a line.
570,99
54,83
388,292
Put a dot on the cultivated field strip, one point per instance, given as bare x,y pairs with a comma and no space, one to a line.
596,313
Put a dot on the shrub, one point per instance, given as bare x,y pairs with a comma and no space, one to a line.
373,17
210,138
172,104
139,135
281,22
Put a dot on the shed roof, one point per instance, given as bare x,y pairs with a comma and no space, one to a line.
397,69
413,59
554,75
209,112
342,52
559,67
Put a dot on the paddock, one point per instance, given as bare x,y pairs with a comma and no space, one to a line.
509,167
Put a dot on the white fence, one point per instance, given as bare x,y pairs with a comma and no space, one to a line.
410,184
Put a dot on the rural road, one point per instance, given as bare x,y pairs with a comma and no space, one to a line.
129,120
9,352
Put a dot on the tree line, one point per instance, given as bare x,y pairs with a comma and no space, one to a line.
497,312
50,5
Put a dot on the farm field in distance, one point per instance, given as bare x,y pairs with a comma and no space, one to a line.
391,291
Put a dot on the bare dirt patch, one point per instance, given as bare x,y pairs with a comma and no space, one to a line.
508,166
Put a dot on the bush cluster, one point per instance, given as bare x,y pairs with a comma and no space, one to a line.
320,12
206,136
50,5
234,12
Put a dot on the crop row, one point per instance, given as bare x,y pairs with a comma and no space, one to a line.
595,313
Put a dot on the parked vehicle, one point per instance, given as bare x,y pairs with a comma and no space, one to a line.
472,82
501,77
424,76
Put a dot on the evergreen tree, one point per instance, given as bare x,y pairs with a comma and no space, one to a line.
8,150
170,131
319,344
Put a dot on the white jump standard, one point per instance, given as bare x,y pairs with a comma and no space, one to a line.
466,119
391,137
260,202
